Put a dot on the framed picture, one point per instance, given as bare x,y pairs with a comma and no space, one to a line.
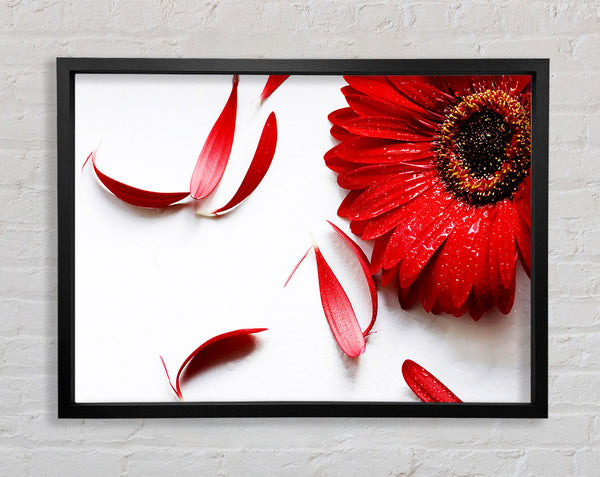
302,237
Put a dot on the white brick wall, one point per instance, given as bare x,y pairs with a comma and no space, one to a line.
34,442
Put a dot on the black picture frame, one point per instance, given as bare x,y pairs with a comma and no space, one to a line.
68,68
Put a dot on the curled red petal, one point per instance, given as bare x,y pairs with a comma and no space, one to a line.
338,310
133,195
258,167
273,83
212,161
425,385
365,265
203,346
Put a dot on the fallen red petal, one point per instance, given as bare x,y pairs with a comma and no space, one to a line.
203,346
133,195
258,167
273,83
365,265
212,161
338,310
296,267
169,377
425,385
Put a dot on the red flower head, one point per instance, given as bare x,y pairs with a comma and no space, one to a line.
438,170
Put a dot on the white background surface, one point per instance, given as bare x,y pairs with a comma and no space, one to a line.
152,282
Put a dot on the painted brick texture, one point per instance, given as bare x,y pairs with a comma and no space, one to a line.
33,442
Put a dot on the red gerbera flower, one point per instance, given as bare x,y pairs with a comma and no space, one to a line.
438,170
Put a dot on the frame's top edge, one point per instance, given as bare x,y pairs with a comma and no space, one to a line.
423,66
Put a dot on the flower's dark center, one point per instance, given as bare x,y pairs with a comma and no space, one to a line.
484,151
482,141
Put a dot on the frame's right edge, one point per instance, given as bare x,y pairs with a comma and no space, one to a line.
539,239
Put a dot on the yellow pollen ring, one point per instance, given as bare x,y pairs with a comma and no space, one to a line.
517,159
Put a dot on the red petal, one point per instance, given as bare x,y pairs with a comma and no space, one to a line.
407,296
381,88
482,295
368,106
375,150
523,235
423,249
133,195
383,223
486,289
468,257
258,167
390,194
333,162
418,214
212,161
203,346
456,281
364,263
344,208
296,267
346,90
365,177
459,85
426,286
514,84
503,241
506,297
422,91
522,200
385,128
388,274
465,85
378,253
425,385
358,226
273,83
169,377
340,116
476,306
338,310
340,133
444,267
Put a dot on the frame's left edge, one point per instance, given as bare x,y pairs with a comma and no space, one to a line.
65,103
